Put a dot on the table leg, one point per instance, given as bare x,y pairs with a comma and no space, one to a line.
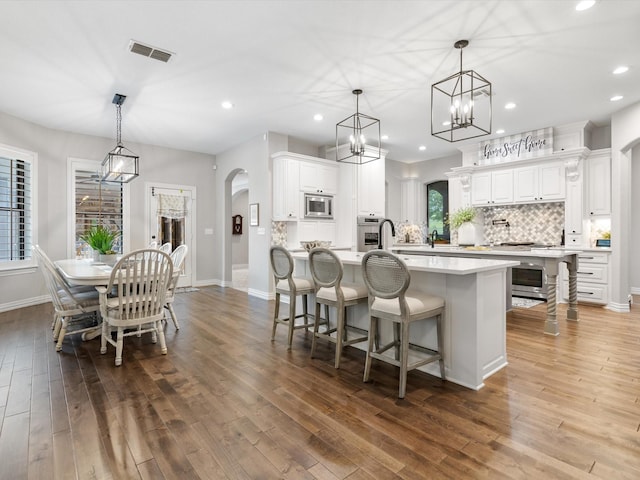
90,335
551,324
572,311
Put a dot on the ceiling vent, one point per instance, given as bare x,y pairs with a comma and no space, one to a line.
149,51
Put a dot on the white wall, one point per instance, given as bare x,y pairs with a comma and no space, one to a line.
634,260
157,164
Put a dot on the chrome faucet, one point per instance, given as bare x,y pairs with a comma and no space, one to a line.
380,225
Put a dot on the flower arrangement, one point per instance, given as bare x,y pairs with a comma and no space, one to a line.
101,239
462,215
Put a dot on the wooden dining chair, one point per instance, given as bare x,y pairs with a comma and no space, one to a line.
177,258
75,310
388,279
166,247
135,297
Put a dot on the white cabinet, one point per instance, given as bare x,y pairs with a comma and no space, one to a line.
371,188
318,178
573,214
593,277
495,187
309,230
599,183
537,183
413,201
286,189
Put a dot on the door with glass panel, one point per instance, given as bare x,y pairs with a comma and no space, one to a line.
170,219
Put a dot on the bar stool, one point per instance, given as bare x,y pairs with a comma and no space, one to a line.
387,279
287,284
327,271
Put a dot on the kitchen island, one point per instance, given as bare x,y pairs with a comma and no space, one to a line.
550,259
474,323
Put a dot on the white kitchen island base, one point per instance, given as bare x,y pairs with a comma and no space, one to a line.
474,322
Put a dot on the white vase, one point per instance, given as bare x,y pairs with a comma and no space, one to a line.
467,234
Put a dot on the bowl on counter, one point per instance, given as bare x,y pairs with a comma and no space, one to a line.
308,245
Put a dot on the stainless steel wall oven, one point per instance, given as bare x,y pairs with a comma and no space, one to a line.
368,236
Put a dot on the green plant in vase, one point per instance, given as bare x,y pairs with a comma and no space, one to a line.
461,220
101,239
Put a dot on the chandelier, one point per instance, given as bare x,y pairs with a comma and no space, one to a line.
461,104
361,133
121,164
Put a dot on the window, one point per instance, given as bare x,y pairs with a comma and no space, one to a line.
17,219
437,209
93,202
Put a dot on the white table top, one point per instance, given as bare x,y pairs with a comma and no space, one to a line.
84,271
434,264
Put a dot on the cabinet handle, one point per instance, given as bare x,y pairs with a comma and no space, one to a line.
584,293
584,273
586,258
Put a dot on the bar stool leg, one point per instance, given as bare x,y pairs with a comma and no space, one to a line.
373,334
404,358
440,344
339,335
292,318
276,312
316,325
305,312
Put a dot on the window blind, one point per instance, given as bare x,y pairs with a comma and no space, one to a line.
15,209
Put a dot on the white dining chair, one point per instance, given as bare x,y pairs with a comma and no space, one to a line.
166,247
72,307
135,297
177,257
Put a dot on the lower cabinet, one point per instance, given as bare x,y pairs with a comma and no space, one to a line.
593,278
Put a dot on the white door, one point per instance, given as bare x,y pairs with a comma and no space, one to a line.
179,230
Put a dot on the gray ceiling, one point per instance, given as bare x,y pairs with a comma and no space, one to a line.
281,62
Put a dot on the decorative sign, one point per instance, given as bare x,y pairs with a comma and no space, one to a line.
521,146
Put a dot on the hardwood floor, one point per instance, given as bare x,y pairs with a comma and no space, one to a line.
226,402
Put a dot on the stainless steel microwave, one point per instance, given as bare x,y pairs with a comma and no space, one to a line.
318,206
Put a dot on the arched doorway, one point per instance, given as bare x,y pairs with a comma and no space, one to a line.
240,231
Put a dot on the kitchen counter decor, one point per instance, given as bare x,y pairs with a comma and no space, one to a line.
462,220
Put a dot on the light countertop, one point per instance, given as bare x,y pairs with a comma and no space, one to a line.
434,264
484,251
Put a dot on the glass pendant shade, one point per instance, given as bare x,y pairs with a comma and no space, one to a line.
121,164
361,133
461,104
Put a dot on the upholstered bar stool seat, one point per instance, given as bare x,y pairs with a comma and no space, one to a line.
327,271
287,284
388,279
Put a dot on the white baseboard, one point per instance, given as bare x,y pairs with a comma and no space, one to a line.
635,290
618,307
27,302
261,294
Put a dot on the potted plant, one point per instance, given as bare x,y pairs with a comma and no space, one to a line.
101,239
462,220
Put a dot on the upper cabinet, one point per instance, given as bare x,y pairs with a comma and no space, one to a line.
539,183
599,183
492,187
371,188
286,189
413,201
318,178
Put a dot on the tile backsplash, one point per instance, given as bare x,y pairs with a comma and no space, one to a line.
533,222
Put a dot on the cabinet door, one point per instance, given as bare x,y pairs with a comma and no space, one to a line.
286,189
526,184
573,210
502,186
551,182
328,177
318,178
371,188
599,185
481,188
309,177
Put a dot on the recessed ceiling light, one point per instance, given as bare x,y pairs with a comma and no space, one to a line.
620,69
510,106
384,137
615,98
318,117
500,130
585,5
227,105
422,148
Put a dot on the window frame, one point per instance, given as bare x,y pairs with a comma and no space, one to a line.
28,264
446,233
74,164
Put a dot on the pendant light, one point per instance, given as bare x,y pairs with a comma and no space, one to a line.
121,164
461,104
361,133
